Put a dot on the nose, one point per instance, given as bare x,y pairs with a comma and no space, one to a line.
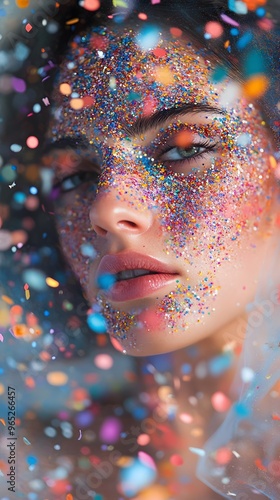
112,214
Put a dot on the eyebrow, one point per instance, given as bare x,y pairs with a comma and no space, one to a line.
140,126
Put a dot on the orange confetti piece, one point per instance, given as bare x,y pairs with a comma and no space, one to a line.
184,139
275,416
256,86
65,89
164,76
19,330
52,282
259,464
7,299
75,20
3,421
30,382
22,4
76,103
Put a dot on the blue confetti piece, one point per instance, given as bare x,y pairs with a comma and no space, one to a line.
148,37
237,6
31,460
219,364
241,410
97,323
244,40
219,73
106,281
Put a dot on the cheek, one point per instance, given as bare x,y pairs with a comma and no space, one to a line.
208,215
76,237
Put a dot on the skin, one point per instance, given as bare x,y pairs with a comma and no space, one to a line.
210,216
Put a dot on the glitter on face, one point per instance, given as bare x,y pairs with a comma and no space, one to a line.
208,202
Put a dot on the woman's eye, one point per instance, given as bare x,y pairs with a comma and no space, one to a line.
191,152
74,181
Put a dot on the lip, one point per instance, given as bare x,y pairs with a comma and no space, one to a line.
138,287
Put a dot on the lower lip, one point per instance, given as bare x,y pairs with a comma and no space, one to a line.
138,288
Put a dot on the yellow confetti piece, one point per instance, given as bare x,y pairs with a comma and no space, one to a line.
119,3
164,76
57,378
72,21
52,282
65,89
27,294
273,162
7,299
76,103
256,86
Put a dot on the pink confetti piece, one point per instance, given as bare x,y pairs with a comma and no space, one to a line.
229,20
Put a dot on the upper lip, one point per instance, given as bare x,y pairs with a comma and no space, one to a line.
115,263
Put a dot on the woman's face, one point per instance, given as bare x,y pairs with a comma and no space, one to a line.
166,188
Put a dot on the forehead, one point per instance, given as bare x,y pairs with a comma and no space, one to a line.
112,74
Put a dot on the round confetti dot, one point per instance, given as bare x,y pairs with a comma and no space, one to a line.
214,29
31,203
186,418
110,430
103,361
91,4
143,439
223,456
6,239
220,402
176,32
37,108
18,85
50,432
247,374
65,89
16,148
142,16
57,378
35,278
32,142
97,323
256,86
164,76
176,460
76,103
184,139
9,173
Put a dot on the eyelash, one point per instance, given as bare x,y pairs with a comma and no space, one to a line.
87,175
202,143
